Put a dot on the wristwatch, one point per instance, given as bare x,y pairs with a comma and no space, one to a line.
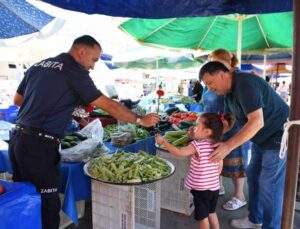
138,119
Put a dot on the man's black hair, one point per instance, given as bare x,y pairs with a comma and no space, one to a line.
211,68
86,40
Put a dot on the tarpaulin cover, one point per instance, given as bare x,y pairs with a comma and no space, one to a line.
284,57
250,68
173,8
270,58
20,206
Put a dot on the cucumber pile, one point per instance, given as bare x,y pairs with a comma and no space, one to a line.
72,140
177,138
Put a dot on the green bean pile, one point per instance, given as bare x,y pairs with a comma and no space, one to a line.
129,167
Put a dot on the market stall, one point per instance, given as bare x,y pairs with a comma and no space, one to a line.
72,175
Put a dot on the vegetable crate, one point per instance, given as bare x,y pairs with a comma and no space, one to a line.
174,196
125,207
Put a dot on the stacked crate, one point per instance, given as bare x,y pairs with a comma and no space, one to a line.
125,207
174,196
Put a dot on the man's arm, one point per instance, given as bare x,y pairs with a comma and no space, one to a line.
254,124
122,113
18,99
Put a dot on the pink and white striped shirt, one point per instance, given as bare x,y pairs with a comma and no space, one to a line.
202,174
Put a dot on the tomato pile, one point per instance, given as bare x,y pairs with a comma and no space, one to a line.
177,118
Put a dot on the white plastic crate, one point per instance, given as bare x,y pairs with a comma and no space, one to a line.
125,207
64,219
174,196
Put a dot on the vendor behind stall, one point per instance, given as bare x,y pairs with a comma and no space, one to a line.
48,95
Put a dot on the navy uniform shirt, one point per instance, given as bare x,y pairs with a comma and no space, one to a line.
249,93
51,89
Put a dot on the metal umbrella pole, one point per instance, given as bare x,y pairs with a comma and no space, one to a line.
239,40
276,76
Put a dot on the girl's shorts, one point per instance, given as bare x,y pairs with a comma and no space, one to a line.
205,203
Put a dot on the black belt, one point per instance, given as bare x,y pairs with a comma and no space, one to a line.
36,132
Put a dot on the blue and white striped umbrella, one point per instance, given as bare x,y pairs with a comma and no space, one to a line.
20,21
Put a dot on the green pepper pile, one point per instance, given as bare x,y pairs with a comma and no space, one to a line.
129,167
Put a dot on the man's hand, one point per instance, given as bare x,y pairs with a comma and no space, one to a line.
254,124
149,120
220,152
120,112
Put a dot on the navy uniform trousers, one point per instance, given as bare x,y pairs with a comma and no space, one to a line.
36,159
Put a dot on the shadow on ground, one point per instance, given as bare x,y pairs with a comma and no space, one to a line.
173,220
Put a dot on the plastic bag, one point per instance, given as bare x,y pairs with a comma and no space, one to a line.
94,131
124,127
100,149
20,206
121,138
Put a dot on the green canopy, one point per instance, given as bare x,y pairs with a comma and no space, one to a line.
250,32
153,58
158,64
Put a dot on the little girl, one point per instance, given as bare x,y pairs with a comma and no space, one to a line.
203,175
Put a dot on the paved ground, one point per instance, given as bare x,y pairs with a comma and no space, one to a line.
172,220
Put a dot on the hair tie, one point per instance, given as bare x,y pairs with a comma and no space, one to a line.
222,117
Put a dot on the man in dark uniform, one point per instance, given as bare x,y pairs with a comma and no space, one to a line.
261,113
48,95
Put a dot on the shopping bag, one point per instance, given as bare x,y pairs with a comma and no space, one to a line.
94,132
